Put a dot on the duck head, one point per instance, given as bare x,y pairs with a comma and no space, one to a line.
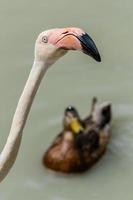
72,120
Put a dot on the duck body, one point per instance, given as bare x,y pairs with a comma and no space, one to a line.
76,149
62,155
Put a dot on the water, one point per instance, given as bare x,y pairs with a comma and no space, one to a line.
74,79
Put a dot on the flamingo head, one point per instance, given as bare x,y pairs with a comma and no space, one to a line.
54,43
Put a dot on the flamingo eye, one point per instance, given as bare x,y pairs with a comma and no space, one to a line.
45,39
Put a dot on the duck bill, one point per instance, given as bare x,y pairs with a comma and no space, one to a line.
75,126
89,47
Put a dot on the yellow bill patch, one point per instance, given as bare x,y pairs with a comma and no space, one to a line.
76,126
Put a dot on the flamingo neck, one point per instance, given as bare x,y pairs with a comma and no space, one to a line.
10,150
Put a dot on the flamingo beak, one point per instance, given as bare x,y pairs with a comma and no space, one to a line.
77,39
89,47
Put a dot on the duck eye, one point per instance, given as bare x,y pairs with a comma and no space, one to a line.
45,39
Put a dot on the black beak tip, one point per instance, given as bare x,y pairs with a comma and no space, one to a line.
89,47
98,58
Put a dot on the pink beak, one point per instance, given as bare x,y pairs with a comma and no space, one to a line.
76,39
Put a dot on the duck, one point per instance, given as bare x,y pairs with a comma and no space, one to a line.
82,142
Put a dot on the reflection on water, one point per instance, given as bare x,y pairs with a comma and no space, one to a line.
73,80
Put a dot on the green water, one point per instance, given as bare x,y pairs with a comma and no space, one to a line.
74,79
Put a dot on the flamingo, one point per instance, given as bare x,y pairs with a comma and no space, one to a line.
49,47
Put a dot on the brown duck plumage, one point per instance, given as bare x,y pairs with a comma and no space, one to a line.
76,151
